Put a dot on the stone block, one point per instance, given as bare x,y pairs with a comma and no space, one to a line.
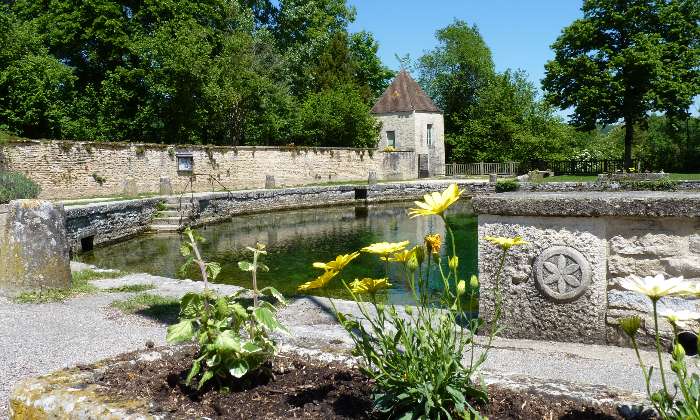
130,187
662,244
372,178
562,295
33,246
164,186
625,246
694,243
269,182
493,178
686,266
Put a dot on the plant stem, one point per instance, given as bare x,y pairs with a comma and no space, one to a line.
255,281
497,299
658,348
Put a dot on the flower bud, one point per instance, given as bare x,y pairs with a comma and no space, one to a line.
678,352
474,282
409,310
631,325
461,287
412,263
420,254
453,262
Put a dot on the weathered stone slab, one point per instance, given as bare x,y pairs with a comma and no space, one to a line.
33,246
554,288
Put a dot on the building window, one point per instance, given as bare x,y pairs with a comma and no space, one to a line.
391,138
429,135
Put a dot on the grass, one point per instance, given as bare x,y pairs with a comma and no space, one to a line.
131,288
593,178
684,177
79,286
159,308
105,199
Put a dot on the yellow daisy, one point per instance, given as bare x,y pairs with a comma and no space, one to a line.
436,203
433,242
506,243
339,263
368,285
319,282
384,248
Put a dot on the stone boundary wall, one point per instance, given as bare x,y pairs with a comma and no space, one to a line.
565,285
66,169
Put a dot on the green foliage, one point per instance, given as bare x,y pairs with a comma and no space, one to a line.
489,116
234,338
216,72
99,178
17,186
158,307
506,185
131,288
663,184
624,60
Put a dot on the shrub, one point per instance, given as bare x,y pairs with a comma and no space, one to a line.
414,354
663,184
506,185
16,186
234,338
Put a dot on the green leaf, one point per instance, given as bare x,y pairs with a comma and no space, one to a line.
228,341
222,308
185,249
182,331
250,347
265,317
213,270
274,293
205,378
238,368
239,310
245,266
196,365
263,267
190,305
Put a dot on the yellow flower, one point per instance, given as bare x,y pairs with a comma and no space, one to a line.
453,262
433,243
505,243
403,256
339,263
368,285
319,282
385,248
656,287
436,203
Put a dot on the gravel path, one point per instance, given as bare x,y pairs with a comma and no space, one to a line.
39,338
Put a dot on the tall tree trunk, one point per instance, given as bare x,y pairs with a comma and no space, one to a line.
629,136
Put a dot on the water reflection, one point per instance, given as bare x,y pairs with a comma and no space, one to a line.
296,239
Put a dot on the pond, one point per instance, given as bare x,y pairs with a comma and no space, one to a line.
296,239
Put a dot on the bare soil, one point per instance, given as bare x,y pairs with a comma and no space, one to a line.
299,388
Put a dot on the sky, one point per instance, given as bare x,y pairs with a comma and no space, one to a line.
519,32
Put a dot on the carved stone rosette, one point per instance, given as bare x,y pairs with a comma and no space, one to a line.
562,273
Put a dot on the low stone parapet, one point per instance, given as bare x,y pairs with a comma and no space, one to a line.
565,284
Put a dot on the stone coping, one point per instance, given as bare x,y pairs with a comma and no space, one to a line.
591,204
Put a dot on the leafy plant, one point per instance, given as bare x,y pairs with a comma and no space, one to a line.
234,339
17,186
99,178
414,354
506,185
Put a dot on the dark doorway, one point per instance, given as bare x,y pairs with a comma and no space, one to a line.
423,171
87,243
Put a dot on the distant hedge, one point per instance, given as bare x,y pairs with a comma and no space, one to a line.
15,186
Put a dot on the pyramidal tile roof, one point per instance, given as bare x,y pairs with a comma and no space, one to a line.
404,95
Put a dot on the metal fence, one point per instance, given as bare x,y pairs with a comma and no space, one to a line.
481,168
577,167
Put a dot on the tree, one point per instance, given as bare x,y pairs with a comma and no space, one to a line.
625,59
368,68
488,116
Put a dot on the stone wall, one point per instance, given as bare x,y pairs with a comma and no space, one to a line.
103,223
66,169
565,284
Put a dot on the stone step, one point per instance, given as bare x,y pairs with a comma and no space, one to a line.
164,228
168,213
184,206
175,220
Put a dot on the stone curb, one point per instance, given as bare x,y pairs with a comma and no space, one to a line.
73,394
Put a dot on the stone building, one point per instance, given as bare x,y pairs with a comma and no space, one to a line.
411,121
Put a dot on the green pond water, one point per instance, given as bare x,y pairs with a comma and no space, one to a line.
296,239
